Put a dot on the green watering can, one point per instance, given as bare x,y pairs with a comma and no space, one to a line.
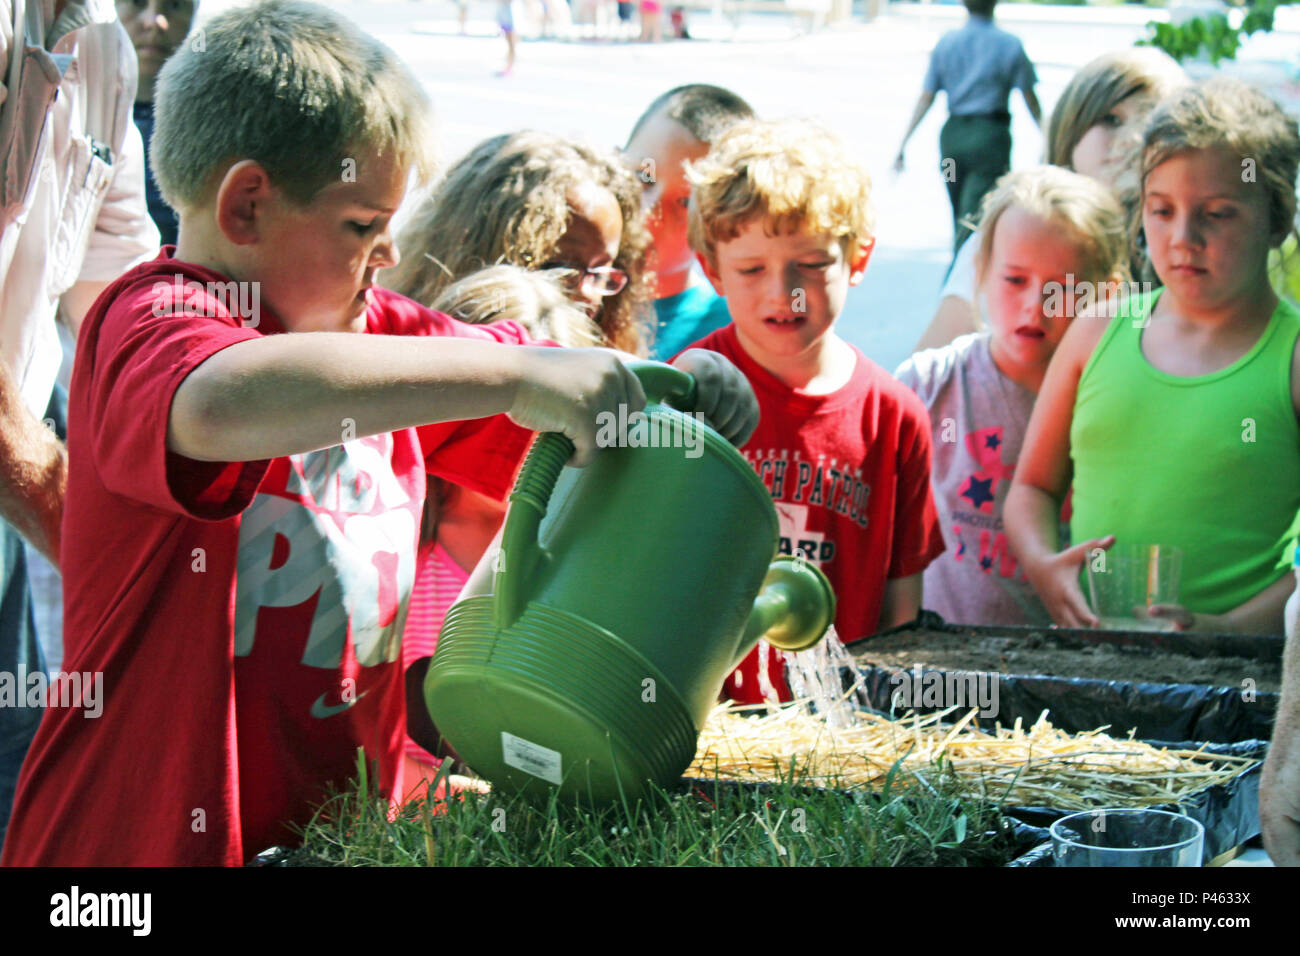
623,595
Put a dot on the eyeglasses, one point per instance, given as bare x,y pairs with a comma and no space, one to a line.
593,280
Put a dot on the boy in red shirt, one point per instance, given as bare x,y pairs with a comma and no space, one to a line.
781,221
243,504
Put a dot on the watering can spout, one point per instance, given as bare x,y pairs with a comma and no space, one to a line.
792,611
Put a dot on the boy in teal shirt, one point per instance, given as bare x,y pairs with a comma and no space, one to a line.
676,129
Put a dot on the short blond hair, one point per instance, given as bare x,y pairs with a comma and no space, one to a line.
1081,207
536,300
292,85
1223,112
507,202
795,175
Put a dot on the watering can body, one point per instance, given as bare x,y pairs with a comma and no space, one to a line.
623,595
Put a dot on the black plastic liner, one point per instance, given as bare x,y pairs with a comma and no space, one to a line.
1077,704
1229,812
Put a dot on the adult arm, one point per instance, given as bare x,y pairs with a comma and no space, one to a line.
1031,103
33,471
1026,80
1279,784
123,237
918,113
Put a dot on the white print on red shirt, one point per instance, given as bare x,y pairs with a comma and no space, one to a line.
796,538
342,532
826,484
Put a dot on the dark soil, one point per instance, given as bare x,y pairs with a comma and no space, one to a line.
1045,653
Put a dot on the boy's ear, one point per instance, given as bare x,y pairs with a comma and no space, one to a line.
241,197
858,266
710,273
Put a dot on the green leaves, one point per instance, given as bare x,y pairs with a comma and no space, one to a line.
1215,34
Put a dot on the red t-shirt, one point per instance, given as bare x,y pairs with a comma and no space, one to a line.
246,616
849,473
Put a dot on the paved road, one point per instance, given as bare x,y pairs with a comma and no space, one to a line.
860,79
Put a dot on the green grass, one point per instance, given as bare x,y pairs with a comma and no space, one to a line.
707,824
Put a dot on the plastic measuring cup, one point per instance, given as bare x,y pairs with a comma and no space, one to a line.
1126,580
1127,838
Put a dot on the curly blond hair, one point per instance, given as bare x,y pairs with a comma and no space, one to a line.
795,175
507,202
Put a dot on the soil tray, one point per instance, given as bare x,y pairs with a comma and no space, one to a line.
1166,686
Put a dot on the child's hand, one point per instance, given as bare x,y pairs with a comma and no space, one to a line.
564,390
1181,619
724,395
1057,582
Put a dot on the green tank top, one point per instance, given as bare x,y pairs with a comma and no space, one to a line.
1209,464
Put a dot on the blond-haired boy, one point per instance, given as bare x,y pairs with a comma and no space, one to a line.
243,505
780,218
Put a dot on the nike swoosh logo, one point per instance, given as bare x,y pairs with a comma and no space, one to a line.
321,710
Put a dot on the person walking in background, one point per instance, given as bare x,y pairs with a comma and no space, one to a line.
156,29
1093,128
977,66
677,19
652,21
506,20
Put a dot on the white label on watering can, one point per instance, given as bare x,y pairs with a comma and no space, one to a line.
531,758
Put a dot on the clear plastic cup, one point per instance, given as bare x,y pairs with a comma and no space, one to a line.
1127,838
1126,580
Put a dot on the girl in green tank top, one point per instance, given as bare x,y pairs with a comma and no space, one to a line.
1175,422
1209,463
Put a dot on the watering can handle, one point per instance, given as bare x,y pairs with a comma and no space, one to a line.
532,493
